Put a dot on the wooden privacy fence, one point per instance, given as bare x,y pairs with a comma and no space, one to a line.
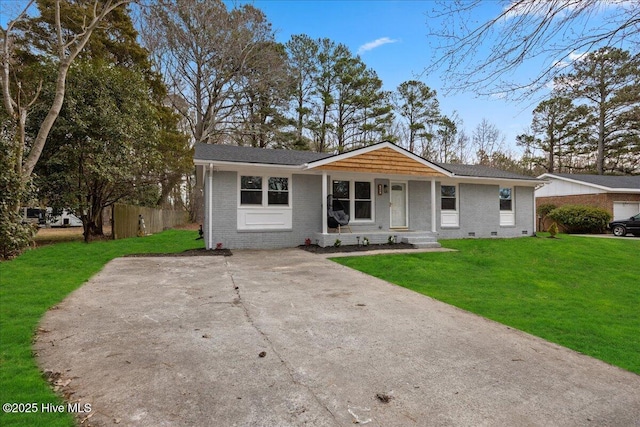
125,220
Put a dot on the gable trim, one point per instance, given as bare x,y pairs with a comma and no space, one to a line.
327,163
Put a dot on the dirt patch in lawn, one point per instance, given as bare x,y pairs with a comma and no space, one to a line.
49,236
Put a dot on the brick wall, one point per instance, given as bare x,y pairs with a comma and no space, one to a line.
479,208
601,200
307,214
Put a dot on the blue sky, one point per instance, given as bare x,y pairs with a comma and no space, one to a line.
391,38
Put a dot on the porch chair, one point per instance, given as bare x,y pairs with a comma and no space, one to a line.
338,217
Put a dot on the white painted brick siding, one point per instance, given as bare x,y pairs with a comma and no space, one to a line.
478,209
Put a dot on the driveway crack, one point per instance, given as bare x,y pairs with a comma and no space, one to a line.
288,368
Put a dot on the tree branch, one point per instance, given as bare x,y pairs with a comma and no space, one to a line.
76,45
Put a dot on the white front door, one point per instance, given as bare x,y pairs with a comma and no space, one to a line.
398,204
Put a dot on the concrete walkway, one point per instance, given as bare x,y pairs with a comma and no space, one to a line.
289,338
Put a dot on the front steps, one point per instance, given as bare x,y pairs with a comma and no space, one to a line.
421,240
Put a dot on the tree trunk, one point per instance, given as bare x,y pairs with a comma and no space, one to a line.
92,222
601,131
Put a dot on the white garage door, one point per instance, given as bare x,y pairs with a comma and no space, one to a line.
625,210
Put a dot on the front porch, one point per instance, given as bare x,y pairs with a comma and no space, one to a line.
417,238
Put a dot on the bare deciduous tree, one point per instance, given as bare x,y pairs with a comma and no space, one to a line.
482,56
487,140
203,49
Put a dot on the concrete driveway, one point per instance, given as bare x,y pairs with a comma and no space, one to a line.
178,342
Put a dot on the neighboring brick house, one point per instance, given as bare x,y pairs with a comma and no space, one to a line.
618,195
265,198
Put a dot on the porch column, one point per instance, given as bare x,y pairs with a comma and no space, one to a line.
434,228
324,202
210,210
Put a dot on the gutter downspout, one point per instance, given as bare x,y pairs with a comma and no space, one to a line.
434,228
535,213
210,213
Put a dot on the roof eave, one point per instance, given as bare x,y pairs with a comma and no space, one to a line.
486,179
589,184
203,162
624,190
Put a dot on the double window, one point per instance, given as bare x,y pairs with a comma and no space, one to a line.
264,191
353,196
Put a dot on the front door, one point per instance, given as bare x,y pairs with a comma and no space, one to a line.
398,205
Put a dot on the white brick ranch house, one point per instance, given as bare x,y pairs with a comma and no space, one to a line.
267,198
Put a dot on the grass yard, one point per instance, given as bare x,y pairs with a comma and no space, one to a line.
580,292
38,280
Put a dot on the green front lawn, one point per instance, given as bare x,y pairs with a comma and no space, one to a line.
38,280
580,292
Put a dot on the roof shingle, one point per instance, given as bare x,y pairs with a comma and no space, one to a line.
482,171
233,153
237,154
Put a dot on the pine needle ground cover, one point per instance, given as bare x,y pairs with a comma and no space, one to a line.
579,292
35,282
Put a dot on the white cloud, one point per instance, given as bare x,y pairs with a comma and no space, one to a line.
572,57
577,56
499,95
374,44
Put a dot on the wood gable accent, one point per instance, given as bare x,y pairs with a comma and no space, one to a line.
383,161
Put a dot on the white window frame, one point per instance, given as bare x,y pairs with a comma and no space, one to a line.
508,217
450,218
265,190
264,217
352,198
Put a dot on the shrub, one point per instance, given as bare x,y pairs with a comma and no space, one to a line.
553,230
545,208
15,236
581,219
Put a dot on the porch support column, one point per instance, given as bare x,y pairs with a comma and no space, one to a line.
210,210
324,202
434,228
